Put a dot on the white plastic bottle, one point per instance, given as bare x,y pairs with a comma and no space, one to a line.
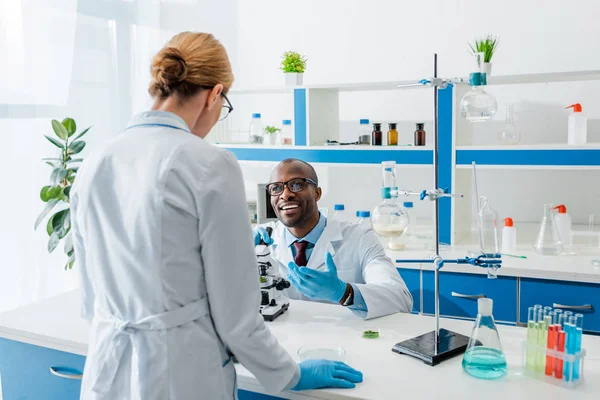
509,237
256,129
339,213
563,225
410,229
364,218
577,126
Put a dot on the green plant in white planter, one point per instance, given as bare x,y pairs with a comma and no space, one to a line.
57,193
271,134
488,47
293,66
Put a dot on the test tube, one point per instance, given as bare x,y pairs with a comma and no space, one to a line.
558,312
577,336
537,306
569,347
542,338
550,341
560,347
531,338
547,309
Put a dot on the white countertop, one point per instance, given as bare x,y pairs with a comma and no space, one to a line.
55,323
574,268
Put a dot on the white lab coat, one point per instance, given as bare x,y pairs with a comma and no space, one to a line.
168,270
359,257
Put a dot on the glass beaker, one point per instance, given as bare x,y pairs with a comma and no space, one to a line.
488,232
388,218
509,134
484,357
548,241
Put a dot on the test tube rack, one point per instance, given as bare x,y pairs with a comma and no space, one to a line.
441,344
572,376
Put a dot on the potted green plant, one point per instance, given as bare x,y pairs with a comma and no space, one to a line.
57,194
293,66
271,135
487,46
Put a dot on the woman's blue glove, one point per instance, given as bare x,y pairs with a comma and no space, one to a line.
261,233
316,374
318,285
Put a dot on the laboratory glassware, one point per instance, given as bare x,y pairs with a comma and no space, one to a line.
548,241
531,338
376,136
542,338
420,134
364,132
388,218
287,133
477,105
339,212
509,134
256,129
484,357
488,230
577,337
392,135
577,133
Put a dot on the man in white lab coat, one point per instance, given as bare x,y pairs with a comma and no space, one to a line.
328,260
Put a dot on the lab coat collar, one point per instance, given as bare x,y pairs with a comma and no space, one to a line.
158,118
331,234
312,236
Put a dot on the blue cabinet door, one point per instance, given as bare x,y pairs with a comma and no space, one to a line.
583,297
26,375
458,292
412,278
245,395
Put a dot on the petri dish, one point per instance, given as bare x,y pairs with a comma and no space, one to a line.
321,353
371,333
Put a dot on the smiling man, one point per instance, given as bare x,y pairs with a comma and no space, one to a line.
328,260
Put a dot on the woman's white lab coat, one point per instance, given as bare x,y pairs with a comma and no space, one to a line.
168,270
360,258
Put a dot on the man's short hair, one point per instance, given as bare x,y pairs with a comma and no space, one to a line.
312,174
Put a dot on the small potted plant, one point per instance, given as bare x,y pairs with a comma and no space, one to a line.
271,134
488,47
293,66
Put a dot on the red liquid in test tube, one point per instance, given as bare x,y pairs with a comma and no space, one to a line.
560,346
552,339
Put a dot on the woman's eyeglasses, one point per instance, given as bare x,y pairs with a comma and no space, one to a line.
294,185
227,108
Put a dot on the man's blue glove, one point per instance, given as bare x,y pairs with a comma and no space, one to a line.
261,233
316,374
316,284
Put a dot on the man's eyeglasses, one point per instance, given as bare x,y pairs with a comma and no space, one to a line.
227,108
294,185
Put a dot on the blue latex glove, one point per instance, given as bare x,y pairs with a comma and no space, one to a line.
316,374
318,285
261,233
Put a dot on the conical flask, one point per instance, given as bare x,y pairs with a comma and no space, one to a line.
548,241
484,357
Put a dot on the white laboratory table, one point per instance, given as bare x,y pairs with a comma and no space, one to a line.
55,324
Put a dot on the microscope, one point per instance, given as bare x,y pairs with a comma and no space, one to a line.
273,303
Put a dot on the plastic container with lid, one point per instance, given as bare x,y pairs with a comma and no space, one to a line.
256,129
364,132
577,126
563,225
339,212
287,132
364,218
509,236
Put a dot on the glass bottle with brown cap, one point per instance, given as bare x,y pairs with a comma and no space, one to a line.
420,134
376,135
392,135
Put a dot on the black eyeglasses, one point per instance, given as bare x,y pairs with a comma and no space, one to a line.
294,185
227,108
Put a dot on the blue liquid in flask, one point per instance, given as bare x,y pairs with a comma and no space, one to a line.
485,362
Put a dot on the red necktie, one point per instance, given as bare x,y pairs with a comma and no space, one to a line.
300,253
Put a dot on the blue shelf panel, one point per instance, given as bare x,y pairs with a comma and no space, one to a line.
343,156
548,157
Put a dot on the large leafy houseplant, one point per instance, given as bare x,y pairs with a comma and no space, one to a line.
57,193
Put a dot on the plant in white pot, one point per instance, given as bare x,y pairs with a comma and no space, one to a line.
271,135
57,194
488,47
293,66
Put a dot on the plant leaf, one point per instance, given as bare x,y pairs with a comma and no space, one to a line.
55,142
82,133
70,126
58,175
67,192
49,228
49,206
70,262
50,164
68,244
44,193
55,192
61,223
76,147
53,242
59,129
74,160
